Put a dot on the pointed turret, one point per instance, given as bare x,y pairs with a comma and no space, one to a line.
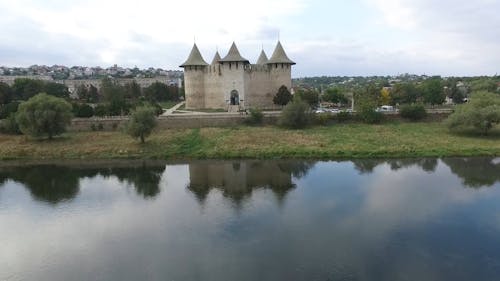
262,58
195,58
279,56
216,58
234,55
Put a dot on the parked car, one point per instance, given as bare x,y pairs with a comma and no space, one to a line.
385,108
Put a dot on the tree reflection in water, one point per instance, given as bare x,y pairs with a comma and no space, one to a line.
365,166
56,183
475,172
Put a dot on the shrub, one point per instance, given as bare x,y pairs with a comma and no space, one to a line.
295,115
343,116
283,96
322,118
44,115
413,112
10,126
256,117
141,123
101,110
482,112
83,110
370,116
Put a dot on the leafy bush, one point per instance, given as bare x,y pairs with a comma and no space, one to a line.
44,115
482,112
141,123
343,116
414,112
256,117
322,118
10,126
101,110
82,110
370,116
295,115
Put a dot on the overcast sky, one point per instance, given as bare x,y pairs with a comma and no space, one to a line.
324,37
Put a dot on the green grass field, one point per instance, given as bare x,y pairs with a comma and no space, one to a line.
335,141
168,104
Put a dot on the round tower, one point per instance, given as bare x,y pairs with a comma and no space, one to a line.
280,68
195,69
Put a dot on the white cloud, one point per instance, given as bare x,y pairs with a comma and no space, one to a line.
433,37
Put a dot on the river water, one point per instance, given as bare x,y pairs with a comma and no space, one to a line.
403,219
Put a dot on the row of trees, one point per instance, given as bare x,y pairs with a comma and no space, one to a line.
111,99
432,91
44,115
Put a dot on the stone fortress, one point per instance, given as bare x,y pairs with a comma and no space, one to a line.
232,82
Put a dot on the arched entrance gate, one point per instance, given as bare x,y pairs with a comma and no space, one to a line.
235,98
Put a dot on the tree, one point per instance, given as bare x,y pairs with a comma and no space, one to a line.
141,123
5,93
114,94
296,115
133,90
433,91
311,97
484,84
385,96
283,96
455,94
157,92
93,94
56,89
334,95
25,88
405,93
482,112
44,115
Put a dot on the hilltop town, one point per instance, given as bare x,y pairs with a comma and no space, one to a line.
60,72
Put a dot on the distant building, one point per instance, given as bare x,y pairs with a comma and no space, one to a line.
233,81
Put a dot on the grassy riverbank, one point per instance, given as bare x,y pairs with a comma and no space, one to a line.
337,141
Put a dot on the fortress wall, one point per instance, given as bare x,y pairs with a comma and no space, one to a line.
259,87
214,97
195,87
281,75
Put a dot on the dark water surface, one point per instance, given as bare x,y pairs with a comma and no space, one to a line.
410,219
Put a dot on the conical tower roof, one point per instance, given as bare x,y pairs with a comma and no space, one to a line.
216,58
262,58
195,58
279,56
234,55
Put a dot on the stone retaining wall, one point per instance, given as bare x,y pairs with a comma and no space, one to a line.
168,122
200,121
